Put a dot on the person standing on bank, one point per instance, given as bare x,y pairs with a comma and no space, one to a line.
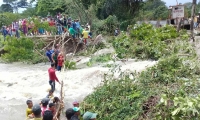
54,55
52,77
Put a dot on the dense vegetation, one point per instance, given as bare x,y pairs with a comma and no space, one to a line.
168,90
146,42
23,49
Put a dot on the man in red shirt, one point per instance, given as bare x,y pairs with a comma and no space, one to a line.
52,77
51,23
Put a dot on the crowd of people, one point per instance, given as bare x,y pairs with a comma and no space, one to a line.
61,23
49,108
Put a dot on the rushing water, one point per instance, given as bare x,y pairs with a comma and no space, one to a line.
153,22
19,82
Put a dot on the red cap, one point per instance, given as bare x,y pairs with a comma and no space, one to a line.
75,103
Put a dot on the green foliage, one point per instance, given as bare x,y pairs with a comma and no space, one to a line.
115,100
70,64
161,13
18,49
160,10
99,59
6,8
29,12
1,41
122,9
52,6
147,42
7,18
169,70
23,49
108,25
181,108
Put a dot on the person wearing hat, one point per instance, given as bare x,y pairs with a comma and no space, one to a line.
36,112
75,104
89,116
76,114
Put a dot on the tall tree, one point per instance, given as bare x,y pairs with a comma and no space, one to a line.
6,8
22,4
15,4
9,1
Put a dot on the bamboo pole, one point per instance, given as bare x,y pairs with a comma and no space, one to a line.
192,20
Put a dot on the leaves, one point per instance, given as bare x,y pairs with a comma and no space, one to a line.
22,50
70,64
147,42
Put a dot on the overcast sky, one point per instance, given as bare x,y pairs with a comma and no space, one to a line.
168,2
173,2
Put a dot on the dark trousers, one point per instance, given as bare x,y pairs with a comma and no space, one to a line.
78,32
17,34
52,84
56,63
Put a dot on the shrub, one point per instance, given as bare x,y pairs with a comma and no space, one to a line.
170,70
147,42
18,49
23,49
115,100
70,64
99,59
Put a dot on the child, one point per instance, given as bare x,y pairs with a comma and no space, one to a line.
85,35
29,109
50,95
60,61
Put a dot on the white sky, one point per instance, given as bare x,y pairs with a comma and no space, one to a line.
168,2
173,2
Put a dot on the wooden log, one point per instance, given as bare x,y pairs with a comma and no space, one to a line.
58,111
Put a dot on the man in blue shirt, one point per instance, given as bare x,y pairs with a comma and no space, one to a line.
4,32
78,27
49,52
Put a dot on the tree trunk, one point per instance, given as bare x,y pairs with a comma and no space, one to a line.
192,20
179,24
